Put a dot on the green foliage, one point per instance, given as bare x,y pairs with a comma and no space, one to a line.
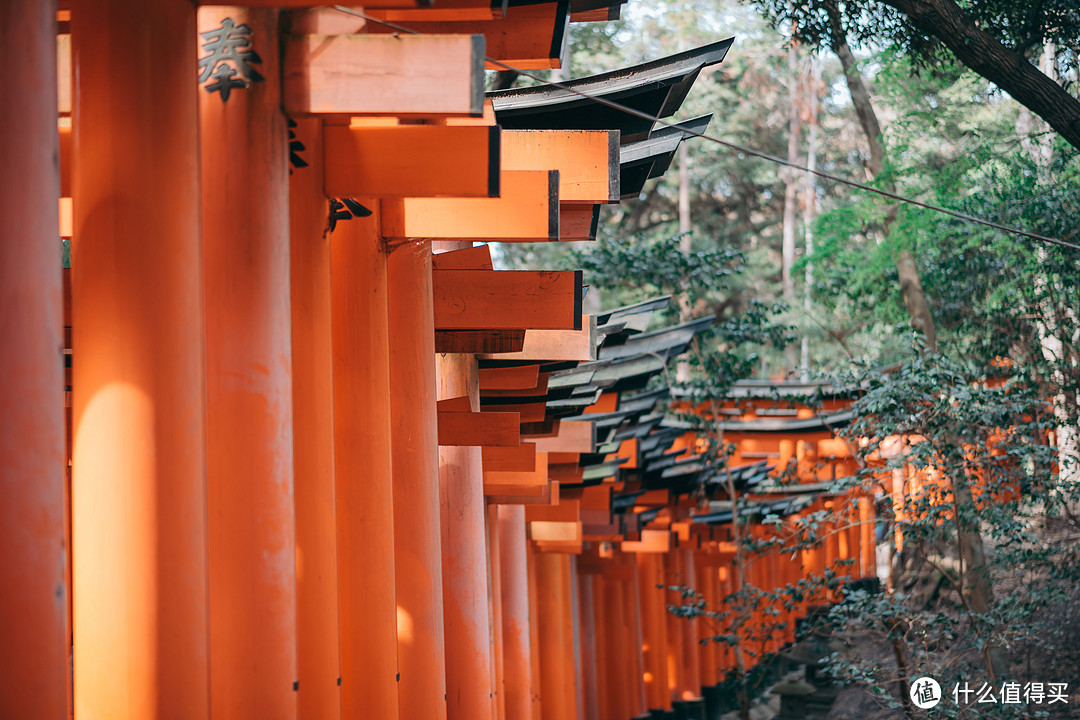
975,458
1017,25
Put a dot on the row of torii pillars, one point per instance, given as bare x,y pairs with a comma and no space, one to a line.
203,376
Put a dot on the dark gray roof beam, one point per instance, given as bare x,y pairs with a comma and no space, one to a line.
643,428
666,342
632,367
636,316
818,423
656,88
602,471
576,6
650,158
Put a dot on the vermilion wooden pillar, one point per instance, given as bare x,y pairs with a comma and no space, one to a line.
572,649
415,453
139,484
33,527
654,629
495,612
706,578
557,679
867,561
313,434
517,645
534,629
464,556
605,664
636,635
589,662
618,681
245,201
691,658
363,479
676,634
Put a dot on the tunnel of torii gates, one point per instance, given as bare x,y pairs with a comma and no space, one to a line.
282,443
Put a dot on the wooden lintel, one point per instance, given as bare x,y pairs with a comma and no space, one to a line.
652,541
569,474
587,161
531,483
472,258
541,345
552,531
574,436
479,341
578,223
457,404
548,495
501,429
563,547
548,427
300,4
510,459
505,299
496,488
412,161
654,497
447,11
529,37
598,15
597,498
418,75
527,210
565,511
520,377
539,390
529,412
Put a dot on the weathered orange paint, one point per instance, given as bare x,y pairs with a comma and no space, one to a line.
139,484
33,525
362,466
414,450
249,387
319,696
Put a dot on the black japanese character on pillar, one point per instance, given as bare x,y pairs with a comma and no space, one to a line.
230,59
295,148
345,209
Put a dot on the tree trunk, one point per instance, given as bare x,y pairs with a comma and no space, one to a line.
1052,328
810,207
791,178
791,194
682,368
910,282
975,580
1006,68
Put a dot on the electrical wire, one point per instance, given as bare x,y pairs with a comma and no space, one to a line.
740,148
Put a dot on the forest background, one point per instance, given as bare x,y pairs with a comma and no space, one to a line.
963,336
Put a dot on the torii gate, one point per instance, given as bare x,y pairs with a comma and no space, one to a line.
195,432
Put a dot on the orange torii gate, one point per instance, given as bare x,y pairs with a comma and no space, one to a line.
263,522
